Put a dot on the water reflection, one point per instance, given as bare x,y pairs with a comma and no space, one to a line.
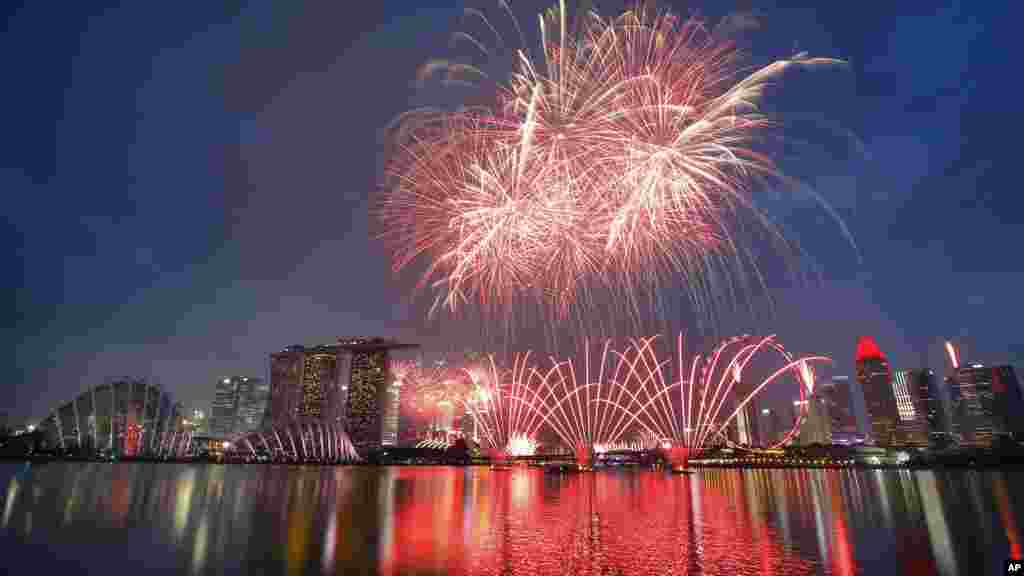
424,521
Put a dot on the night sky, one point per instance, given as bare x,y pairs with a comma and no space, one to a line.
186,186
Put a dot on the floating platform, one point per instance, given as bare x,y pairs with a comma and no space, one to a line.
564,468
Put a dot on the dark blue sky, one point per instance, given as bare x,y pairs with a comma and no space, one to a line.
186,187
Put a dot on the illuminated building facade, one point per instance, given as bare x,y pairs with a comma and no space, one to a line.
928,402
367,397
238,406
746,419
253,406
373,402
224,408
347,383
911,408
306,384
125,418
842,420
987,405
875,379
392,404
816,427
770,425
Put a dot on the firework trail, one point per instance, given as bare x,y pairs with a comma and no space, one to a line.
708,393
482,391
592,403
500,407
624,157
599,400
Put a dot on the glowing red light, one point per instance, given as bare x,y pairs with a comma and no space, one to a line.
867,349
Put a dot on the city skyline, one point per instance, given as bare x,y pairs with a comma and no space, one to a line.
512,286
104,283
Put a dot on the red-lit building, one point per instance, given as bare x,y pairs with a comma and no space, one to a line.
875,379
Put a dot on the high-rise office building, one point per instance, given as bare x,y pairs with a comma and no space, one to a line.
746,418
816,427
911,408
224,408
875,379
771,426
238,406
987,405
838,394
253,404
930,408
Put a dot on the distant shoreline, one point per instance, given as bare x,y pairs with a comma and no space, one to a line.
957,464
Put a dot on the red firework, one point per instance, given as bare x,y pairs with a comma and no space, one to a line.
622,159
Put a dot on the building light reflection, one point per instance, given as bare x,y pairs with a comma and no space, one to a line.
12,495
935,520
199,547
883,493
1006,516
183,502
842,550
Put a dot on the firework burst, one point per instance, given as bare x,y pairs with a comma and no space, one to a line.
624,157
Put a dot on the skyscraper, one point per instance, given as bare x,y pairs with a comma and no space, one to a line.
237,406
930,405
746,419
252,405
224,408
875,379
911,408
987,405
816,427
771,426
842,419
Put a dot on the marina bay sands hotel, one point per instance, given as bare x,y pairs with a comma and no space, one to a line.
348,382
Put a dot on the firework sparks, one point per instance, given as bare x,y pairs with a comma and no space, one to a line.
433,384
502,422
592,403
697,406
622,159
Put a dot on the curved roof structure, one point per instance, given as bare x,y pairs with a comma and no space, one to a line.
127,417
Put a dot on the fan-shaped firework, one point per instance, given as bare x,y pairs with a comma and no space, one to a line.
627,156
712,392
595,402
504,423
